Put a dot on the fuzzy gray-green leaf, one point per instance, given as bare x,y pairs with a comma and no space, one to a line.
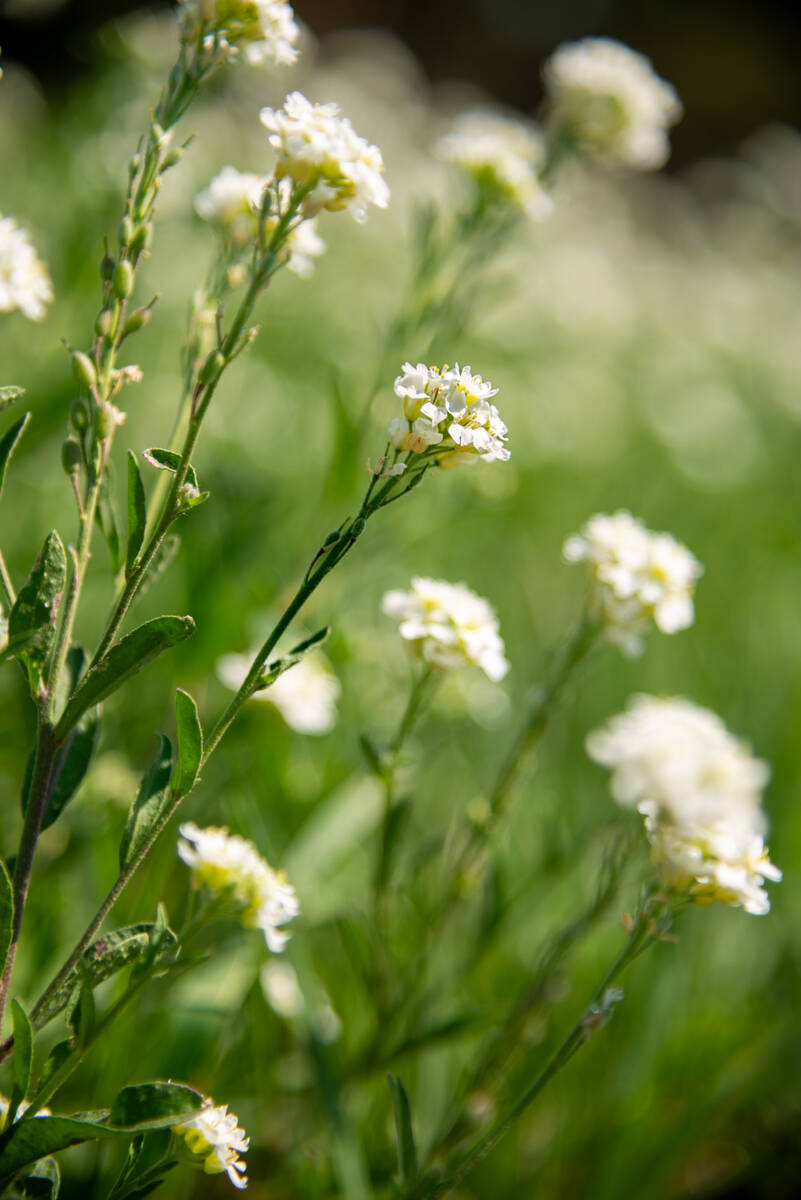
189,751
135,651
151,803
8,442
32,621
168,460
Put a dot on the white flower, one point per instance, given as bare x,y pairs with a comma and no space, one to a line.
319,150
266,29
24,281
448,408
449,626
231,201
700,791
304,244
214,1134
503,155
232,867
306,695
636,577
608,99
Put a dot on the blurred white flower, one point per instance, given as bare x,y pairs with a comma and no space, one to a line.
265,29
24,281
449,626
318,149
503,155
232,867
609,101
23,1108
215,1135
231,201
3,629
700,791
304,244
306,695
636,577
279,982
449,408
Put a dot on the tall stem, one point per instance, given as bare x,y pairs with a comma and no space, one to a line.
6,586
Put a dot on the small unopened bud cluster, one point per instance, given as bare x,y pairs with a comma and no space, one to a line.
700,791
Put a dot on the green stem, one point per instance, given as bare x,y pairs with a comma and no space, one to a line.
6,585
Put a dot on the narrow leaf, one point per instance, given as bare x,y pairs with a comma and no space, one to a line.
22,1062
135,651
9,393
310,643
190,744
9,441
168,460
137,512
407,1154
6,911
109,521
150,805
33,617
81,1015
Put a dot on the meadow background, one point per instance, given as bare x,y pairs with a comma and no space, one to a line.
645,342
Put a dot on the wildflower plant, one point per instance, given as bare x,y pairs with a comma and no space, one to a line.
698,788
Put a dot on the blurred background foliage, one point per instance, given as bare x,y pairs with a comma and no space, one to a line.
645,343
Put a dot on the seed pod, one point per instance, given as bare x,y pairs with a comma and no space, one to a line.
103,422
106,267
83,369
137,319
142,238
79,415
211,367
357,527
71,457
123,280
170,160
331,538
126,230
104,322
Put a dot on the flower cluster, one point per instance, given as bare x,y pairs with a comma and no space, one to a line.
700,791
265,29
449,626
637,577
319,150
306,695
233,868
24,281
608,100
215,1135
447,413
232,202
502,155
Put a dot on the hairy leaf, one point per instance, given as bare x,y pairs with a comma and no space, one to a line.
8,442
129,655
168,460
190,744
151,803
32,621
137,512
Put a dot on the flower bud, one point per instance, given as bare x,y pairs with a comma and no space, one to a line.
142,238
104,322
134,164
170,160
211,367
104,421
137,319
357,527
123,280
83,369
331,539
106,267
71,457
79,415
126,230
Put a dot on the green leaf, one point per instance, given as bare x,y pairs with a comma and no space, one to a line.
309,643
22,1062
280,665
151,803
6,911
129,655
109,521
33,618
55,1059
137,513
407,1154
154,1105
168,460
190,744
81,1015
9,392
42,1182
8,442
105,957
151,1106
